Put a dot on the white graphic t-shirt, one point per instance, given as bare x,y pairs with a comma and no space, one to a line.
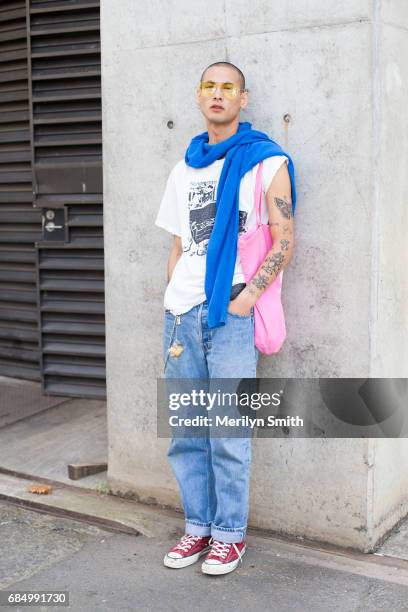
188,210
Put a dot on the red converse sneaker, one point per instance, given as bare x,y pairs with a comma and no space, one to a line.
187,551
223,557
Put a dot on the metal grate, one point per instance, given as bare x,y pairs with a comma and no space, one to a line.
65,82
73,325
51,211
20,224
66,93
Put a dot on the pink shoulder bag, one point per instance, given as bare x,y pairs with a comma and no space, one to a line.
253,245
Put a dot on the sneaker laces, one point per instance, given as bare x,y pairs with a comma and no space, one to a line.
221,549
186,542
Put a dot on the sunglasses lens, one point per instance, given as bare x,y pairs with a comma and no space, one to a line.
208,88
229,91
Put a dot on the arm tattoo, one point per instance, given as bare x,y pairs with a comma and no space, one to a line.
284,207
270,268
273,263
284,244
260,281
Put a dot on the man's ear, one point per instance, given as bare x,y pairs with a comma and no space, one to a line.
244,99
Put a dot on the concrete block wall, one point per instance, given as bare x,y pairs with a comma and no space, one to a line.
337,69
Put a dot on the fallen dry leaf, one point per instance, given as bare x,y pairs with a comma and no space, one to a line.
40,489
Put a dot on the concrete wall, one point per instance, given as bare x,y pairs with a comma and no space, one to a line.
389,315
335,68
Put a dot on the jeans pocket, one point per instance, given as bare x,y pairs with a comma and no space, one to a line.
239,316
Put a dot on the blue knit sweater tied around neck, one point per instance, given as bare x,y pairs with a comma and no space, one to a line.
243,150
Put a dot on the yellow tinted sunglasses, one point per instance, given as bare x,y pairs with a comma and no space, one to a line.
229,90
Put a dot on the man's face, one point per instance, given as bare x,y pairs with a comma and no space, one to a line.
219,108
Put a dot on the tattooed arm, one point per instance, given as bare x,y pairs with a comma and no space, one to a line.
279,203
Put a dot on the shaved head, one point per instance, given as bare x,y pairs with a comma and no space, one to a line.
228,65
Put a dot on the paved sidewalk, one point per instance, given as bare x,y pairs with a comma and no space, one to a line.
107,552
117,572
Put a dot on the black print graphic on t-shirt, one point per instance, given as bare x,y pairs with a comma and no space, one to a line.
202,208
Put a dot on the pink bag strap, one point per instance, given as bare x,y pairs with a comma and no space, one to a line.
258,194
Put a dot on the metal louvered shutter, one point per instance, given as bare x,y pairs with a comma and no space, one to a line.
65,76
20,224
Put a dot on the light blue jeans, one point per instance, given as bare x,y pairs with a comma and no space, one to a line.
212,472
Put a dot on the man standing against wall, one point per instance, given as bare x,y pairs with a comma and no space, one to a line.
209,310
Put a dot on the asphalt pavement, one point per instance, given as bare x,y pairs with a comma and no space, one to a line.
106,570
